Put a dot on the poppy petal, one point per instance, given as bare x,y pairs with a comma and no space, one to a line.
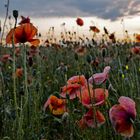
97,78
94,119
34,42
129,105
107,69
100,95
86,97
30,30
10,36
120,121
57,111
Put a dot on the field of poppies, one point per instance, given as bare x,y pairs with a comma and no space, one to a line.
77,89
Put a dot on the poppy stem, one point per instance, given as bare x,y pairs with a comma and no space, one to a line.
25,76
14,77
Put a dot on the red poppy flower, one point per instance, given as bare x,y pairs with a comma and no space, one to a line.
89,97
123,115
19,72
80,22
92,119
137,37
5,58
56,105
94,29
99,78
23,33
81,50
112,36
135,50
74,85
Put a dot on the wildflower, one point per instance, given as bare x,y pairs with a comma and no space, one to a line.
112,37
135,50
23,33
122,116
99,78
89,97
94,29
19,72
74,85
56,105
123,76
92,119
137,37
5,58
80,50
80,22
126,67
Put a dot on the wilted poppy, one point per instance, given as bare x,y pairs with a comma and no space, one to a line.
99,78
23,33
74,85
80,22
56,105
94,29
89,97
92,119
122,116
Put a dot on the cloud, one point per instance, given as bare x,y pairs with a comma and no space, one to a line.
106,9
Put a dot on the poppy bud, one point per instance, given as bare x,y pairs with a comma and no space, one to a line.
30,61
104,51
89,58
76,56
15,14
87,75
106,31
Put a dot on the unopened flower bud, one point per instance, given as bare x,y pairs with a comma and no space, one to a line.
15,14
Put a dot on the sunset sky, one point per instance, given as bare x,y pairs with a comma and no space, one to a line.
109,13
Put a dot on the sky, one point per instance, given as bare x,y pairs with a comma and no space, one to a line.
46,13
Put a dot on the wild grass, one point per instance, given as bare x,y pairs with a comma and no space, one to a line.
45,73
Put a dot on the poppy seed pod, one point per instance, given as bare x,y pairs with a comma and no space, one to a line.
15,14
76,56
104,52
89,58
